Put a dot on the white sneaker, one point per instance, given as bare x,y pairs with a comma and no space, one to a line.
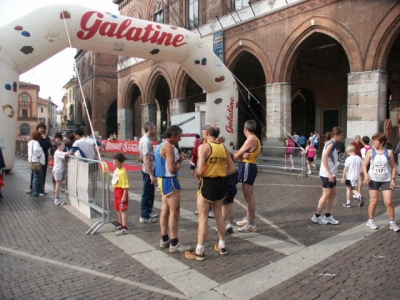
243,222
354,196
153,215
309,173
211,214
248,228
320,220
57,202
371,224
394,227
331,220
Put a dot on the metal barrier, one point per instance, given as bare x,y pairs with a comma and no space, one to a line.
274,157
88,188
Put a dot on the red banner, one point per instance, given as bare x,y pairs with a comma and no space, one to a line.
125,147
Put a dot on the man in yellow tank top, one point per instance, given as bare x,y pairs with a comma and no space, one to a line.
213,165
247,169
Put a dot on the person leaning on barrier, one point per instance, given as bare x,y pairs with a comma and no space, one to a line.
35,155
85,148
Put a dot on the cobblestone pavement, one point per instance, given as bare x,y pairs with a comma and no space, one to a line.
45,254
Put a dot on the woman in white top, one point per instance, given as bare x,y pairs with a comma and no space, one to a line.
381,176
36,154
327,173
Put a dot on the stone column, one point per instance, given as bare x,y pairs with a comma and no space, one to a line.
278,113
366,100
177,106
125,124
149,113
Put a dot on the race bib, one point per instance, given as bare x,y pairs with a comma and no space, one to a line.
380,169
114,179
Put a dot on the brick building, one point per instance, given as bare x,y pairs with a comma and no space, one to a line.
98,77
300,65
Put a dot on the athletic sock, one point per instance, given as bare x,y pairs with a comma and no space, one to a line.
174,242
165,238
221,244
348,202
200,249
327,215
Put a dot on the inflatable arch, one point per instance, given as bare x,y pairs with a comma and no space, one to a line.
41,34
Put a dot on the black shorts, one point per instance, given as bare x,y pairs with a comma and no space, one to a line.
212,189
310,159
379,185
326,183
229,199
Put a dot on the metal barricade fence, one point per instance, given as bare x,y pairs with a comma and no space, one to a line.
274,157
88,188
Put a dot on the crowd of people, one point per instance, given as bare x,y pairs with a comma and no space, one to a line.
374,165
213,165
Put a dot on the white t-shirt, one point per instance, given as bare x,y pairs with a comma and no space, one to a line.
84,147
353,164
59,157
146,148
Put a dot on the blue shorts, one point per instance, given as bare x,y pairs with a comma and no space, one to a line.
168,185
247,172
379,185
326,183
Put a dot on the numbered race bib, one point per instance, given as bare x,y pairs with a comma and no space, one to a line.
380,169
114,179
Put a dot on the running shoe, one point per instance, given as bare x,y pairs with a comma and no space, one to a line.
394,227
371,224
243,222
123,231
164,244
57,201
347,205
147,220
229,230
194,256
331,220
248,228
320,220
153,215
309,173
221,251
180,248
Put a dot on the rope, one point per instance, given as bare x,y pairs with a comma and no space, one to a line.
83,96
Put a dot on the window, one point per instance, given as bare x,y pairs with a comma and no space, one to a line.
239,4
41,109
24,113
193,14
158,15
25,129
25,98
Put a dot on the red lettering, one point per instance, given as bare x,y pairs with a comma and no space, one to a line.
91,24
108,29
91,31
229,117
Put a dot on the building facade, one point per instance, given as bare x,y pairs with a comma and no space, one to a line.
94,93
300,65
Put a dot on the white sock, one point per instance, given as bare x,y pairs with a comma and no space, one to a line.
200,249
348,202
228,226
221,244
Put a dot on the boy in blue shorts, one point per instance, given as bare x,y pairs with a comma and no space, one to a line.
120,183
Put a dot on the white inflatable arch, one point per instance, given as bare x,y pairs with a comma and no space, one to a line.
41,34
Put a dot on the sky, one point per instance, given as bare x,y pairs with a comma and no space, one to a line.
63,62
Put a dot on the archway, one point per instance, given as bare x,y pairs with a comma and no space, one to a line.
319,76
248,70
162,95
